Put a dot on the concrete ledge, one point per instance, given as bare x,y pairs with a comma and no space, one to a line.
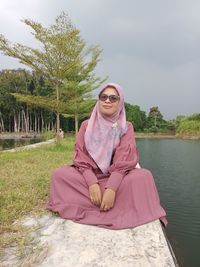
63,243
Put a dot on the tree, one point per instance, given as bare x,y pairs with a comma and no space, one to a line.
15,116
63,56
13,81
155,118
136,116
81,103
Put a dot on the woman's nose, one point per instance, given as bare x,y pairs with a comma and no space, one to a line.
107,100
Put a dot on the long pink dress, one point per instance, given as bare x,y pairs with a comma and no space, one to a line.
137,200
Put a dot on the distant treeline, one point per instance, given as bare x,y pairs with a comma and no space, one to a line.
23,117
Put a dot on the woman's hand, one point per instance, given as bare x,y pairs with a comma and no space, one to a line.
95,194
108,199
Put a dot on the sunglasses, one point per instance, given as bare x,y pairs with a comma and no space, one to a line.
112,98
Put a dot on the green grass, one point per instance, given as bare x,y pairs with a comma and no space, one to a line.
24,183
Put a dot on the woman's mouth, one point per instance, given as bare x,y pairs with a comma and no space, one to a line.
107,107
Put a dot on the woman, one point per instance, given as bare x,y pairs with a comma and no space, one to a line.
103,186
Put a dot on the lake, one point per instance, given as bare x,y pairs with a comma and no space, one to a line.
175,164
12,143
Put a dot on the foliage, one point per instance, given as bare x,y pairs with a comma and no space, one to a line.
188,125
80,103
194,117
155,118
63,55
14,115
12,81
136,116
153,129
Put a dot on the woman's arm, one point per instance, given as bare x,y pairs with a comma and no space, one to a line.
125,159
82,160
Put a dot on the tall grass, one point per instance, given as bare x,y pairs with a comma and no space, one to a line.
24,182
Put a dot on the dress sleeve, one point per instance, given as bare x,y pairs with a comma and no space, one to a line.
125,159
82,160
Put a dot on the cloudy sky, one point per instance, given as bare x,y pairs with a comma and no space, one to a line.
151,48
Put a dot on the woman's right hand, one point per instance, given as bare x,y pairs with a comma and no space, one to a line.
95,194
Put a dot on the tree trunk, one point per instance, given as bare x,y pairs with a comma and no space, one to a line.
76,123
30,123
57,127
155,121
18,122
9,127
25,121
15,123
22,121
42,118
35,122
2,129
57,114
38,123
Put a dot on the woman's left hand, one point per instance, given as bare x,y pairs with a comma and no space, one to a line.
108,199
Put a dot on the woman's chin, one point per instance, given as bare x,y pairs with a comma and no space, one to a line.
107,113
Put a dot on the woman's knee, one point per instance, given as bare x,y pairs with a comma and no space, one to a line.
138,174
59,173
146,172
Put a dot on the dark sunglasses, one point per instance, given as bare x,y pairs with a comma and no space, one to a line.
112,98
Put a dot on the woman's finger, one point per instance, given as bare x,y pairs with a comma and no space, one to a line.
99,200
106,208
92,197
102,205
95,199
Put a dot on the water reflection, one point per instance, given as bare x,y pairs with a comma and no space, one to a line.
6,144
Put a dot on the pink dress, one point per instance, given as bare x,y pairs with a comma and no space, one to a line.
137,200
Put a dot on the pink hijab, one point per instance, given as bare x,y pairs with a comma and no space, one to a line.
103,132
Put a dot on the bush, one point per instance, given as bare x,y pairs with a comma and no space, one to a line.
153,129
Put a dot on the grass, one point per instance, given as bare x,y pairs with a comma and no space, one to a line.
24,184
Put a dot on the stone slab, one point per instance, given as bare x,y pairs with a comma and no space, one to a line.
69,244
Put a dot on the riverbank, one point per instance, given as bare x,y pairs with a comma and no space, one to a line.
154,135
47,135
19,135
167,136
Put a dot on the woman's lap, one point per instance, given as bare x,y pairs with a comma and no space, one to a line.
136,200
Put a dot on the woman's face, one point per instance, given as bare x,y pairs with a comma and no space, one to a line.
106,107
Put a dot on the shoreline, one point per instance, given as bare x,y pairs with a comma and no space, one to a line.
23,135
167,136
155,136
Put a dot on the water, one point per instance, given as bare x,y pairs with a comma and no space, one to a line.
12,143
175,164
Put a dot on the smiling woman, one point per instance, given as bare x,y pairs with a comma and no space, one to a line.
109,100
103,186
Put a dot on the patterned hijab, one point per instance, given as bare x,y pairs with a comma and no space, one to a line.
103,132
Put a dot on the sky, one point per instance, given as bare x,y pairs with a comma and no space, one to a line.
151,48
